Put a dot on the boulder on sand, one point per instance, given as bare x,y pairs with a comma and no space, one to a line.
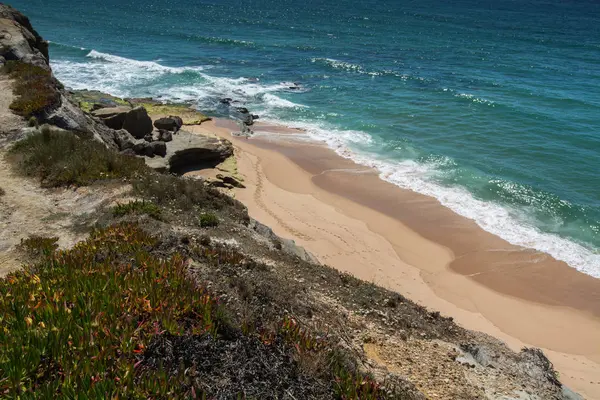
138,123
169,123
189,151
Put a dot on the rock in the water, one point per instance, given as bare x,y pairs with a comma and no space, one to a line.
165,136
169,123
230,180
138,123
190,151
226,100
243,110
248,120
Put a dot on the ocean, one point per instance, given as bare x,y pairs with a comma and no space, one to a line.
492,107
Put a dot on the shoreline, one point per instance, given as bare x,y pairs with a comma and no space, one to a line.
350,219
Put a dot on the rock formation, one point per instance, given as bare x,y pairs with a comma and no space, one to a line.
189,151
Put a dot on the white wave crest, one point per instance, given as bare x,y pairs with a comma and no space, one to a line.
125,77
143,65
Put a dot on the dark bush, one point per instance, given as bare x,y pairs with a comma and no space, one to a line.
208,220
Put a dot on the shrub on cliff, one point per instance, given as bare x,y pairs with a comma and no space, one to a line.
60,158
35,88
139,208
110,319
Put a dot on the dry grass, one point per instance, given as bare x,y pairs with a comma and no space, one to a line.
61,158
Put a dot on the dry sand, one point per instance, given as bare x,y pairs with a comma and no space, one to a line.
355,222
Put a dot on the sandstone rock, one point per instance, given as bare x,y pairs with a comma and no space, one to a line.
159,148
113,117
188,151
107,112
124,139
138,123
165,136
230,180
169,124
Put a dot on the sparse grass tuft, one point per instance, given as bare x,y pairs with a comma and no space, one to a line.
138,207
39,246
33,122
61,158
208,220
35,88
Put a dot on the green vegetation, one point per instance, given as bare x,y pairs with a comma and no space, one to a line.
87,98
33,122
61,158
35,88
187,114
110,319
39,246
74,325
208,220
139,208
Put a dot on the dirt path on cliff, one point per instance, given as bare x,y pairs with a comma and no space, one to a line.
26,210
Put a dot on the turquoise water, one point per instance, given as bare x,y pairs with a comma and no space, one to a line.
491,107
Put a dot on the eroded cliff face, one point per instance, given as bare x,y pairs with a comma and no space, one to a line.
259,278
19,40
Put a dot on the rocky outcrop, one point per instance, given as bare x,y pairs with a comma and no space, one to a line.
188,151
230,180
113,117
171,123
19,41
165,136
138,123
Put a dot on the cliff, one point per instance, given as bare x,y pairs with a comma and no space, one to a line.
139,283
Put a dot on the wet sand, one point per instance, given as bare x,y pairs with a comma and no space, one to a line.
352,220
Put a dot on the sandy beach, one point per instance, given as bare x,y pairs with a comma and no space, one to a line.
353,221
